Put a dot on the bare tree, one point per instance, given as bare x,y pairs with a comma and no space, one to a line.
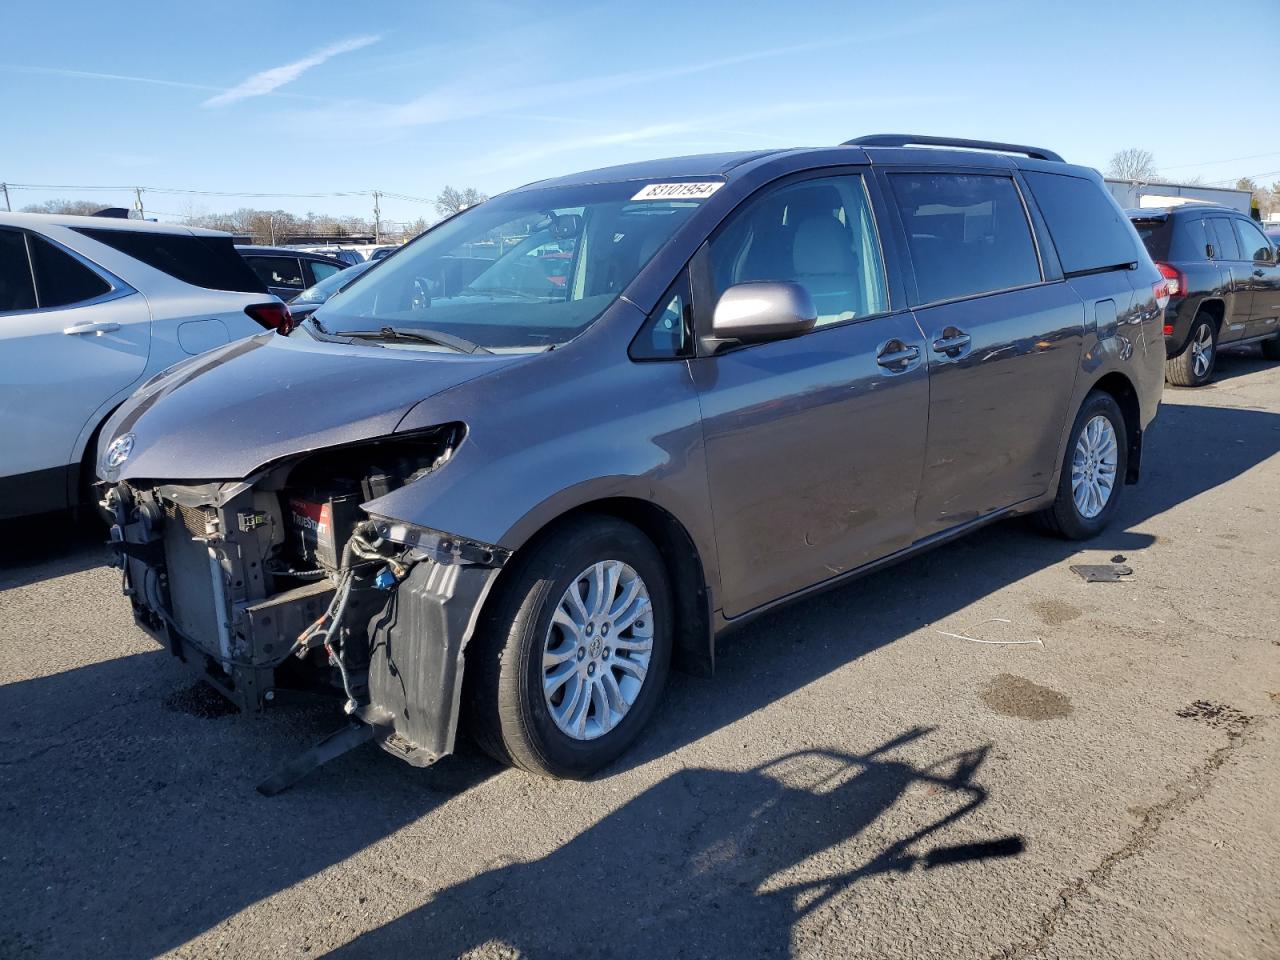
79,208
450,201
1133,164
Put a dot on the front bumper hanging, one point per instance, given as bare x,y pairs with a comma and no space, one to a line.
202,570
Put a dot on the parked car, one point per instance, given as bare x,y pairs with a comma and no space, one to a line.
89,308
287,272
348,255
519,501
311,299
1224,285
379,252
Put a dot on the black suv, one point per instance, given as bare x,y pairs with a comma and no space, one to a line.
1224,285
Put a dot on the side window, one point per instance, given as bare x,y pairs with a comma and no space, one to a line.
203,261
1191,239
17,292
1089,230
1225,246
320,269
817,233
1253,242
968,234
278,271
61,279
668,332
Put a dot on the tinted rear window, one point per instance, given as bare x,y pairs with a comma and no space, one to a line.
1190,242
1224,239
209,262
1089,230
968,234
1154,234
16,289
61,279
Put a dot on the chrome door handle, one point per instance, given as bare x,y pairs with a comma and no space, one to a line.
897,354
97,328
952,345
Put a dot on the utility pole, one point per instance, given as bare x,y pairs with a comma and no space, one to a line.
271,222
137,192
5,188
377,216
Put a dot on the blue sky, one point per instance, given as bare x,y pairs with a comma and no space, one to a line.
318,97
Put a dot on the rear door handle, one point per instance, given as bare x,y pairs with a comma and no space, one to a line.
897,355
1259,273
952,344
97,328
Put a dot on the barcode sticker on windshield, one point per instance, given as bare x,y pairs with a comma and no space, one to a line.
678,191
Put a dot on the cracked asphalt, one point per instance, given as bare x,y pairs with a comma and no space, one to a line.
851,783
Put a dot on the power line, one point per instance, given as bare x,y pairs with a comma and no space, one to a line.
1212,163
184,191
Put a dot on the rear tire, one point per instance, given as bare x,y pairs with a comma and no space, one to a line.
1193,367
1271,348
534,658
1097,451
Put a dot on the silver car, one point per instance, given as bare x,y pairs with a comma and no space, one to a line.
571,435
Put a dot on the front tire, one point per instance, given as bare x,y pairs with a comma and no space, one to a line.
1193,367
1093,471
574,651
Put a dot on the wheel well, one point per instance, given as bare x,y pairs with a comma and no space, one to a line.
694,651
1121,390
1215,309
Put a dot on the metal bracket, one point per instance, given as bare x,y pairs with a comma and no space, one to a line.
331,747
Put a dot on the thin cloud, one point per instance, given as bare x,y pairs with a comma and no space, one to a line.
261,84
466,100
127,78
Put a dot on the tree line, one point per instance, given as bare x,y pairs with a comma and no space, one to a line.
276,226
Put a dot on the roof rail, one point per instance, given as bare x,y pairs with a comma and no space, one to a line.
911,140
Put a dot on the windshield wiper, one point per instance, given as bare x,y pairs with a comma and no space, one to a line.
437,337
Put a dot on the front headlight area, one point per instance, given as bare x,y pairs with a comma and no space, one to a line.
276,581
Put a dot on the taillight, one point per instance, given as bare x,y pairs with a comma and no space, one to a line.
273,316
1175,283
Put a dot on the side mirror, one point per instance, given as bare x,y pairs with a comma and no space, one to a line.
763,310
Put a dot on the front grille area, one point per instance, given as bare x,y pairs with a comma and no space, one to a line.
191,597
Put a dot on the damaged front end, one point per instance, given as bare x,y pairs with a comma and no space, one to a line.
284,583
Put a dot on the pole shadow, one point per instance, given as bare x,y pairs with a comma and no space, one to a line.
702,864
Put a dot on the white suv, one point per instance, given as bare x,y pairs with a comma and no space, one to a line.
89,309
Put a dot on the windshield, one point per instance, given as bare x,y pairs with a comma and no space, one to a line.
331,284
522,271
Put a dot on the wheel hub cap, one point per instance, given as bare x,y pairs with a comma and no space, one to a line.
588,686
1093,467
1202,351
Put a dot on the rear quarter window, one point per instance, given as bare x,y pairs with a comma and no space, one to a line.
17,291
1089,230
209,262
1190,242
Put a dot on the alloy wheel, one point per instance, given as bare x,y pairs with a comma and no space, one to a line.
597,649
1202,351
1093,467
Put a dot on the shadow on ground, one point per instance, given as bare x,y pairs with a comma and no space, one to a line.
127,829
717,849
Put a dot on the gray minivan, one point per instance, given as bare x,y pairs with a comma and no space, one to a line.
572,434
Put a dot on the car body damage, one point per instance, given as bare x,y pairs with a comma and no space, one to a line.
280,583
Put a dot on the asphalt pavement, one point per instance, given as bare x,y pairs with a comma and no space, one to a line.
853,782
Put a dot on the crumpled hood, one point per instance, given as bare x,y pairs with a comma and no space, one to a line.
221,415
